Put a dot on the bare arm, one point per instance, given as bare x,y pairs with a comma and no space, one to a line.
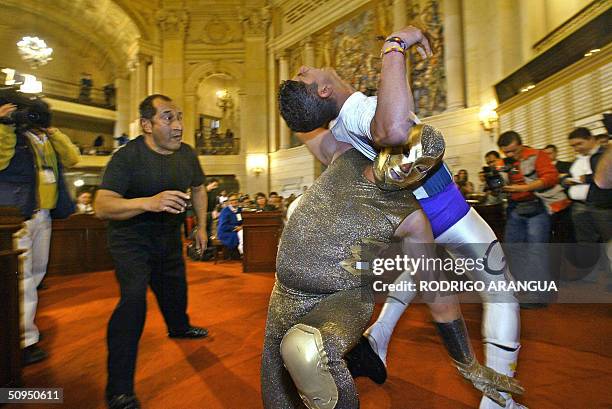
111,205
321,143
199,199
603,174
391,121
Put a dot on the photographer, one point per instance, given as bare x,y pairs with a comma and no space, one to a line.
32,159
534,195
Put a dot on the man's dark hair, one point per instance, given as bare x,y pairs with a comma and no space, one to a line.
302,108
508,138
260,194
601,136
212,180
146,108
273,194
551,146
494,153
582,133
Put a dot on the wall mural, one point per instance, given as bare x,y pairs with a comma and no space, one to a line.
428,77
353,49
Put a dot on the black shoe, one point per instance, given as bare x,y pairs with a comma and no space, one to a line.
33,354
123,401
533,305
191,332
363,361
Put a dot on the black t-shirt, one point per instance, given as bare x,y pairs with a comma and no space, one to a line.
137,171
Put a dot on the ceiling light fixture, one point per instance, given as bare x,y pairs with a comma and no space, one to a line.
34,51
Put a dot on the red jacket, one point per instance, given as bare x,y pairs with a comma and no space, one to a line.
534,164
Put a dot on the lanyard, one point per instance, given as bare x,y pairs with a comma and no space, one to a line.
38,143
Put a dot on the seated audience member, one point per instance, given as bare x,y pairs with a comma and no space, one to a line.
467,188
275,201
222,198
84,203
229,225
592,205
562,166
261,203
482,183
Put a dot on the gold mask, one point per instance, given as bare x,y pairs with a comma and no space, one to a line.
401,167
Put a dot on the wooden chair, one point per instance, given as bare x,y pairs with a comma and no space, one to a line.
219,248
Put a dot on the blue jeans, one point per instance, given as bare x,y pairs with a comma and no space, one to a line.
529,262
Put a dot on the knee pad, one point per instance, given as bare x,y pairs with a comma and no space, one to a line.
307,362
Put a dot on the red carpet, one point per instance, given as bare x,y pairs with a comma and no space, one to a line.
566,359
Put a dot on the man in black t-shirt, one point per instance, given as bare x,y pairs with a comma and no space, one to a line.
143,194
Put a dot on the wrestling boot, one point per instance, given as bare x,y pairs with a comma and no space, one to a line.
504,362
491,383
363,361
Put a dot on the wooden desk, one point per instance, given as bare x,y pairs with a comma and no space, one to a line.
79,245
261,233
10,349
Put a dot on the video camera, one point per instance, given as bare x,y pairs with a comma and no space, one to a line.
494,176
31,112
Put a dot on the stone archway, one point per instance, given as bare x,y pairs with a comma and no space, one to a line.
200,73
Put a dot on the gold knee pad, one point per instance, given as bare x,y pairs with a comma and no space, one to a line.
307,362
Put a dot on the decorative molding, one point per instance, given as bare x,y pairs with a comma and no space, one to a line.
173,23
319,18
255,21
574,23
216,30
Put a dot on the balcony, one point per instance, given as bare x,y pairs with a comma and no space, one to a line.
76,93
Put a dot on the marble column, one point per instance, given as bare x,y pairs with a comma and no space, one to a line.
308,51
122,104
283,73
173,23
272,105
253,111
189,119
453,55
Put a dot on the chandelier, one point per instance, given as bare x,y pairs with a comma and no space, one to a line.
34,51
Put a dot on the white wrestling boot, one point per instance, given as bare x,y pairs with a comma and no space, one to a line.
504,362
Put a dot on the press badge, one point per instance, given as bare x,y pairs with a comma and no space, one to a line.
47,176
238,217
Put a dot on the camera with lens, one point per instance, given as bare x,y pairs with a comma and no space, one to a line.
31,112
497,177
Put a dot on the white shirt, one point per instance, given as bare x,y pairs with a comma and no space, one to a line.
580,167
353,127
353,123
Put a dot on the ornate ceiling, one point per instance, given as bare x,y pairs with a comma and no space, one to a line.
99,24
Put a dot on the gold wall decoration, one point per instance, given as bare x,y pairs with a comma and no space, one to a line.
353,47
428,77
216,30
